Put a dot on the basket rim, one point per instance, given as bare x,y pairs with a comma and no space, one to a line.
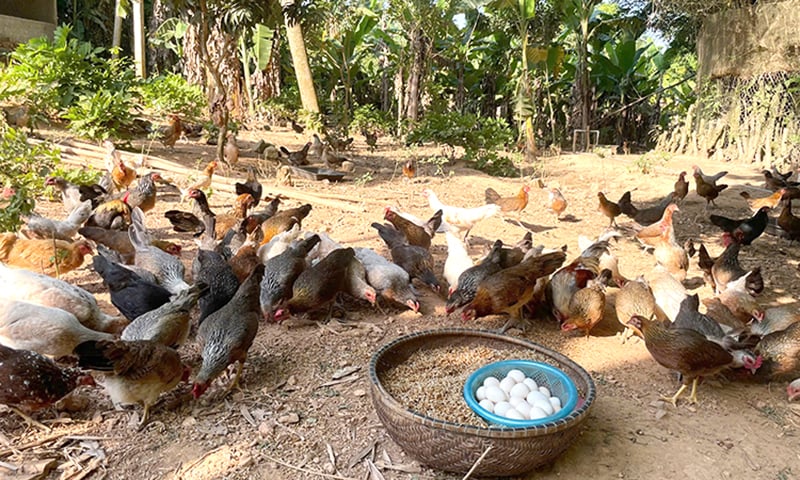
573,419
569,385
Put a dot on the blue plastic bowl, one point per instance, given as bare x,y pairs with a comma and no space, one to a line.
558,382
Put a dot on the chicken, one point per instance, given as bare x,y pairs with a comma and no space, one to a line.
739,301
706,263
774,319
712,179
120,242
132,295
282,241
607,259
211,269
297,158
30,381
718,312
790,224
370,138
634,298
587,305
609,209
689,352
458,260
356,283
775,183
556,202
461,219
792,390
18,116
470,278
770,201
280,274
330,159
51,257
751,228
45,330
339,144
689,317
644,216
668,292
170,133
122,175
388,279
573,277
726,268
70,193
167,324
231,150
651,235
24,285
681,188
227,334
297,127
410,169
251,186
507,291
516,203
138,371
203,183
420,236
671,256
113,214
707,187
144,195
781,353
315,150
40,227
167,269
511,256
233,219
317,286
284,220
417,261
185,222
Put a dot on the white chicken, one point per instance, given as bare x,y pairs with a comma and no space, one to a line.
278,244
457,261
461,219
37,226
668,292
168,269
24,285
607,260
387,278
45,330
321,250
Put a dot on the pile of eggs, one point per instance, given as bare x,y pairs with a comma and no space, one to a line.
517,397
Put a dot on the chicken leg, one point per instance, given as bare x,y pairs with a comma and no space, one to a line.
235,382
674,399
145,417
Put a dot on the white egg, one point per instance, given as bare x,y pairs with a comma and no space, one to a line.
480,394
545,406
545,391
513,414
507,384
519,390
516,401
517,375
534,396
523,408
495,394
536,413
531,384
502,407
556,403
487,404
491,382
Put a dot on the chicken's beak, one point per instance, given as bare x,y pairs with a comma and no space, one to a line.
413,305
794,395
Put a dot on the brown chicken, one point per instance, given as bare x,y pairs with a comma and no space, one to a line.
284,220
232,219
169,134
51,257
689,352
415,234
718,312
781,353
137,371
650,236
516,203
509,290
227,334
144,195
122,175
568,280
587,305
707,189
739,301
644,216
298,157
113,214
203,183
246,258
634,298
671,256
775,183
556,202
231,150
330,158
410,169
30,382
770,201
609,209
681,188
726,268
789,223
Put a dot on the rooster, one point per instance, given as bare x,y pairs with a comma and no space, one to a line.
122,175
461,219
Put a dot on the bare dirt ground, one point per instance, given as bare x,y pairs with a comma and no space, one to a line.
285,424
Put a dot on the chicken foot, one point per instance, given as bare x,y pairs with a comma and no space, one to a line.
235,382
29,420
692,396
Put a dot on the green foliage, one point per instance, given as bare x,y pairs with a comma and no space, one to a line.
494,164
437,161
171,93
367,117
363,179
100,115
23,167
647,163
456,130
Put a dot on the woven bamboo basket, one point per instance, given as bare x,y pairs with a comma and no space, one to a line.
457,448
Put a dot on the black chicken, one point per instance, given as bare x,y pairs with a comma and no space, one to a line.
132,295
299,157
470,278
251,186
751,228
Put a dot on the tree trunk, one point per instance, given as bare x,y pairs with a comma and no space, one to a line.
297,48
267,82
159,60
419,44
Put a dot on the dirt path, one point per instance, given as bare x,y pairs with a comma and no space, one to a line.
284,416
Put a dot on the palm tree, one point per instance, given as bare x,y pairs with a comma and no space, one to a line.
297,48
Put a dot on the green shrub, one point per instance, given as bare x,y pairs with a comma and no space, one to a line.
101,115
367,117
171,93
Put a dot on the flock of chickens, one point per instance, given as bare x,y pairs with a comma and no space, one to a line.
260,265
